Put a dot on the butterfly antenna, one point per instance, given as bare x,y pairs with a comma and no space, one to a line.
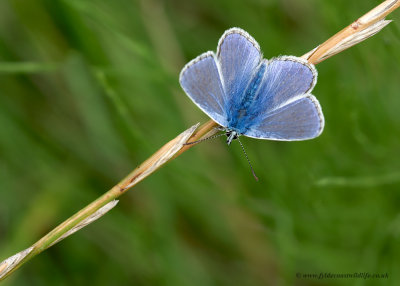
251,167
204,139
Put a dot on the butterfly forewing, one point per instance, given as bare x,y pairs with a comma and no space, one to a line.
300,119
201,81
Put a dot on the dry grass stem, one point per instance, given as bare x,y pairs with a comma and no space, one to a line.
100,206
102,211
161,157
358,31
12,262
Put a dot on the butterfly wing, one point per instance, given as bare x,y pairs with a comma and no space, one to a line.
285,110
285,78
201,81
215,82
238,55
301,119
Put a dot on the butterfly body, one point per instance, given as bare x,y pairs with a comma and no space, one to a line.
251,96
242,113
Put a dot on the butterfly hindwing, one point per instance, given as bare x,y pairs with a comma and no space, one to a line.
238,55
285,78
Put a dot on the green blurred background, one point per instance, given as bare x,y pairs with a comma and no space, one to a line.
89,89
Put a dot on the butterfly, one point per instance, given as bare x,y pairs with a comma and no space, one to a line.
252,96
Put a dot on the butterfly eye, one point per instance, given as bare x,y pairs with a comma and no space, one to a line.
229,134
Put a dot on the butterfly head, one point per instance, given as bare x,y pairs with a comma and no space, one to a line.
232,135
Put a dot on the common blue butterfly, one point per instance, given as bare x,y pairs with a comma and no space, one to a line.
251,96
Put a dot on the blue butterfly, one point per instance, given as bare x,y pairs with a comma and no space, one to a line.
251,96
